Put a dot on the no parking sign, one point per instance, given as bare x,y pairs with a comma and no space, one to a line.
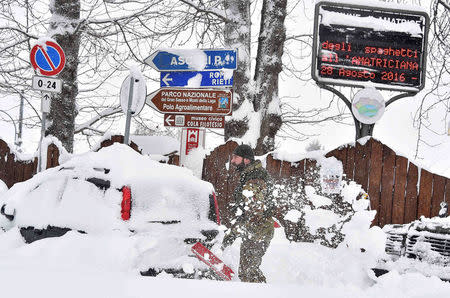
49,59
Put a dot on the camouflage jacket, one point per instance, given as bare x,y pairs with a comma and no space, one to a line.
252,219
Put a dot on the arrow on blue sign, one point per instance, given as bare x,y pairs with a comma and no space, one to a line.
192,60
197,79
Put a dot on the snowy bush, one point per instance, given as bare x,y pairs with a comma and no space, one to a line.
309,214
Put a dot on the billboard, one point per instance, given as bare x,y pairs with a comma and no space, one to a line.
357,44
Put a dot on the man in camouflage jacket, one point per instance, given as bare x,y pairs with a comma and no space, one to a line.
252,215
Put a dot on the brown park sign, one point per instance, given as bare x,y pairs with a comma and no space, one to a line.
191,101
207,121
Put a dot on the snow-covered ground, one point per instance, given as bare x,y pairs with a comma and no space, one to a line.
106,263
78,265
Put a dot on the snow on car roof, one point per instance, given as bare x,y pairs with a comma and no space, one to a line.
160,192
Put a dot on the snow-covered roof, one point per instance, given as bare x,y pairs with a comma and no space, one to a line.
161,145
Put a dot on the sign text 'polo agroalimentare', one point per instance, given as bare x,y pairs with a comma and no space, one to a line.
191,101
356,44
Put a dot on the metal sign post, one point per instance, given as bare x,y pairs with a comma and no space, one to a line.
43,123
126,139
132,100
49,59
46,101
19,133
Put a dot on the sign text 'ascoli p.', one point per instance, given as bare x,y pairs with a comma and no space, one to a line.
356,44
191,101
193,60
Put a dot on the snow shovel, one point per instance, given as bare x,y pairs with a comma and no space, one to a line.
206,256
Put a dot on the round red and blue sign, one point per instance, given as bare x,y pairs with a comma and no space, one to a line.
49,59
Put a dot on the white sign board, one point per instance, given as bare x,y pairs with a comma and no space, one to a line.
368,105
47,84
46,101
139,93
191,138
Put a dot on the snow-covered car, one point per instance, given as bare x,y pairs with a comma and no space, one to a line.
165,209
421,246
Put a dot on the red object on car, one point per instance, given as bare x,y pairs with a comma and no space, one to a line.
126,203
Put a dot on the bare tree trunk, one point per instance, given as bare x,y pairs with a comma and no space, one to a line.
272,37
237,35
64,29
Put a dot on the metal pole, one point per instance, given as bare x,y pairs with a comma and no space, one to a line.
44,116
19,134
127,124
363,130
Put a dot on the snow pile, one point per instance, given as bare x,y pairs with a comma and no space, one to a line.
316,200
101,263
353,246
3,187
247,112
47,141
194,161
156,145
169,204
195,82
319,218
195,59
334,18
293,215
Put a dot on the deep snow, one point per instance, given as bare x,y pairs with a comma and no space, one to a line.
77,265
106,263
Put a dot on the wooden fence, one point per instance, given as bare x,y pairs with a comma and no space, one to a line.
398,189
13,169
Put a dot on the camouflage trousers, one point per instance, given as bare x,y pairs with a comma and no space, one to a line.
252,252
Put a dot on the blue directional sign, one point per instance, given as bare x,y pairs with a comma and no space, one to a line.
192,60
197,79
